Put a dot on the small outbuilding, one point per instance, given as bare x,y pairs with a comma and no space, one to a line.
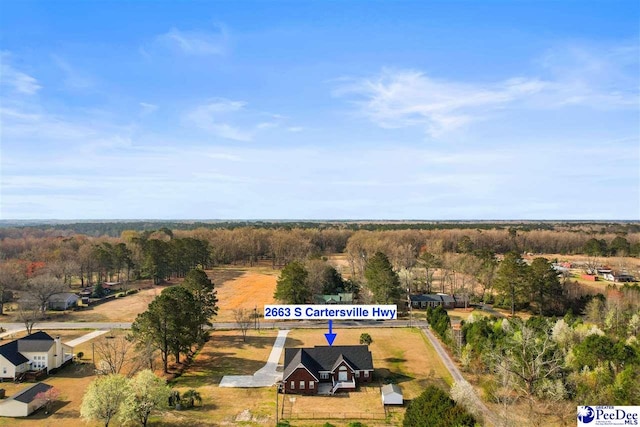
392,395
24,402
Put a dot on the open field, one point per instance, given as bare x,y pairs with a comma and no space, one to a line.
252,289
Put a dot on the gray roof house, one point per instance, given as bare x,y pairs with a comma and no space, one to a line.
62,301
326,369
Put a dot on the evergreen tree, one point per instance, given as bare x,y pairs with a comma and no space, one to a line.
382,281
292,286
510,281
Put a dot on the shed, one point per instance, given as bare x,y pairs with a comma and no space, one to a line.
24,402
391,395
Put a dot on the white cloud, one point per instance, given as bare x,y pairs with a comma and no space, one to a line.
199,43
17,80
295,129
210,117
397,99
567,76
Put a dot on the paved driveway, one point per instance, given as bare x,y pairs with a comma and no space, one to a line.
265,376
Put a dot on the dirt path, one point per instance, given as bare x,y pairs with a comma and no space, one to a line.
489,416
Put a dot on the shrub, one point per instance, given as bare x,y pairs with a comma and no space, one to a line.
80,355
435,408
365,338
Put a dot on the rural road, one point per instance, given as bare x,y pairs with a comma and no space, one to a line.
305,324
489,416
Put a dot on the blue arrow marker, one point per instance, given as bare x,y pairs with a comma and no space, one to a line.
330,336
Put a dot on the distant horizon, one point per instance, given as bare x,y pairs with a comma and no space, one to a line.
326,220
280,109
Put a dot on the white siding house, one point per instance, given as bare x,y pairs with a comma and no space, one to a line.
24,402
33,353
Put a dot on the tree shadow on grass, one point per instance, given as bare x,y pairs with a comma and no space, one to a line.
394,360
387,377
76,370
55,407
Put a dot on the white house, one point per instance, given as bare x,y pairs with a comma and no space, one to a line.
34,352
24,402
391,395
62,301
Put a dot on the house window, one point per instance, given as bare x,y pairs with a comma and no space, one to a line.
301,385
311,385
366,374
324,376
357,374
293,385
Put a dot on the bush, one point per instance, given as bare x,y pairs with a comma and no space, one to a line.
365,338
80,355
435,408
356,424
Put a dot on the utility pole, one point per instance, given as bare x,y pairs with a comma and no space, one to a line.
255,317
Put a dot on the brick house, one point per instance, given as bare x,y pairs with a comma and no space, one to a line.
325,369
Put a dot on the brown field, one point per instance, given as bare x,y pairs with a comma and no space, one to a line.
252,289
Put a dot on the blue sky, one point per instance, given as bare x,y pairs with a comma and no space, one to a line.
320,110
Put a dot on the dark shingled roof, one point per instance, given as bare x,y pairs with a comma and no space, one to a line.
326,358
38,342
28,394
10,352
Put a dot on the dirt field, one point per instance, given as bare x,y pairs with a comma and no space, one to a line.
252,289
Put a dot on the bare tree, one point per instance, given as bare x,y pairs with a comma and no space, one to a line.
113,352
41,288
243,319
28,313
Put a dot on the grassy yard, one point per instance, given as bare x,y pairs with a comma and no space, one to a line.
400,355
227,354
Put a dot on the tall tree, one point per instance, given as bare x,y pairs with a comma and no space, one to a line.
170,323
148,393
430,262
104,398
41,288
202,288
292,286
544,283
382,281
510,281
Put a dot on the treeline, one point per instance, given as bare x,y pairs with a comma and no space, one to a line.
250,243
115,228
